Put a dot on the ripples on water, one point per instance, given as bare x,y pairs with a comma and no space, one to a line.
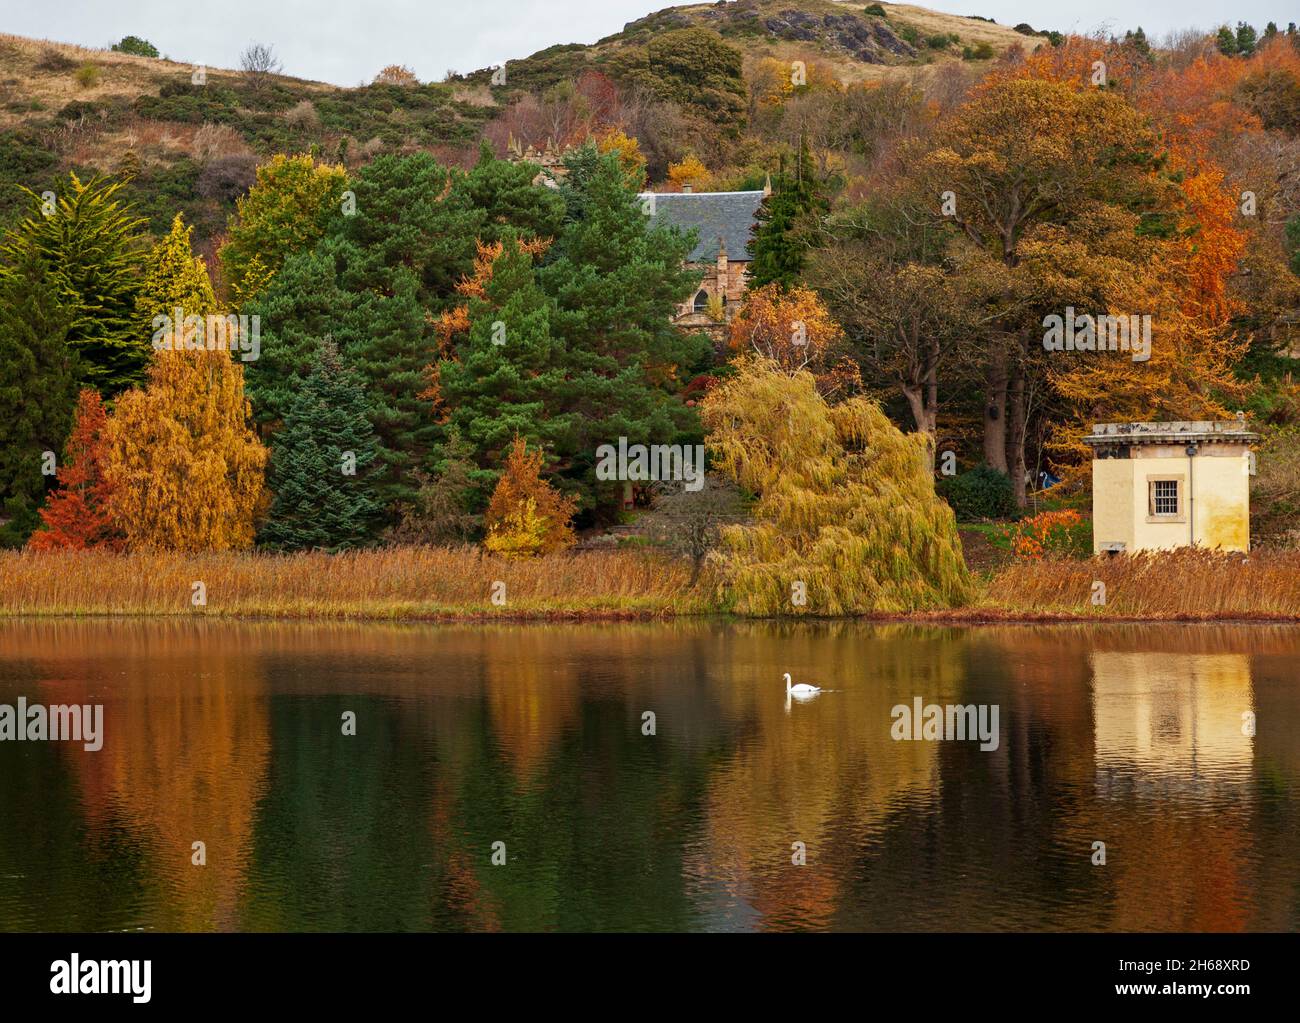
531,735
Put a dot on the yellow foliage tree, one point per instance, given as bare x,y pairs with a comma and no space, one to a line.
285,211
526,515
176,278
615,140
186,465
687,172
846,519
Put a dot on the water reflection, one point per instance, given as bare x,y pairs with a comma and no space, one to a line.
231,734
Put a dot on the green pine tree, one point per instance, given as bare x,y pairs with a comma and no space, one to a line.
376,283
89,245
509,376
589,351
509,201
778,250
38,392
323,462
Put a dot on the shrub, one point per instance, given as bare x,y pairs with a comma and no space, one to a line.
54,60
303,114
215,140
396,74
441,511
982,493
136,46
876,11
87,75
226,178
1051,533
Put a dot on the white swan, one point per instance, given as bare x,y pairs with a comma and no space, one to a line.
802,690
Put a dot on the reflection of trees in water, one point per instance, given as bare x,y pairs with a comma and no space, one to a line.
183,760
531,735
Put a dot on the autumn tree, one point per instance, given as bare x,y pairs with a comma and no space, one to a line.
288,208
795,331
628,150
87,241
526,515
845,520
184,462
687,171
1030,152
396,74
77,515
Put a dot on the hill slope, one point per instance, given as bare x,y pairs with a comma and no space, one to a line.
855,44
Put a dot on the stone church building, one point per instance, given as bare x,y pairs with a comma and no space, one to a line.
723,223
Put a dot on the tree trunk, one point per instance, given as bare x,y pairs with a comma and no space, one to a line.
1016,437
995,412
924,417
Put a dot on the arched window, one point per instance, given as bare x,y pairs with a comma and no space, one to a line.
702,301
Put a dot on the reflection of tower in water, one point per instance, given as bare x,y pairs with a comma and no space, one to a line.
1171,720
1176,770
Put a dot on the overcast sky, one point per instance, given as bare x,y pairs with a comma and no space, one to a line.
347,41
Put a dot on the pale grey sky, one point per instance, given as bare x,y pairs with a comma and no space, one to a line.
347,41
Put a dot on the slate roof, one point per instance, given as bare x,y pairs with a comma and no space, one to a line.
712,214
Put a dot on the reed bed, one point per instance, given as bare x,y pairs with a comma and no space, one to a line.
1183,584
456,583
445,582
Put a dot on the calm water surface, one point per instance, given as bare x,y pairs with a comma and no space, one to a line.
532,735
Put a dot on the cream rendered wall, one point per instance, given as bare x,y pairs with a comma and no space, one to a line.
1222,505
1112,502
1220,490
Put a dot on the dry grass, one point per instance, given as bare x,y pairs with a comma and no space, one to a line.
394,583
53,84
1183,584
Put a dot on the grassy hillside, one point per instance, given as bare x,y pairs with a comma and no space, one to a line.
855,44
193,147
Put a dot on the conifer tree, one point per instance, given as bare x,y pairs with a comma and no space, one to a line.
38,389
175,279
78,515
186,466
778,251
509,379
88,243
323,462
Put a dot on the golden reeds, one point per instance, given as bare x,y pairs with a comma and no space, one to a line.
417,582
1185,583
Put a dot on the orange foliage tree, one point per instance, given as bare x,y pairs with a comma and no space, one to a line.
796,331
77,515
526,515
186,465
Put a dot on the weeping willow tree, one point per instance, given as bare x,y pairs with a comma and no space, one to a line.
846,520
